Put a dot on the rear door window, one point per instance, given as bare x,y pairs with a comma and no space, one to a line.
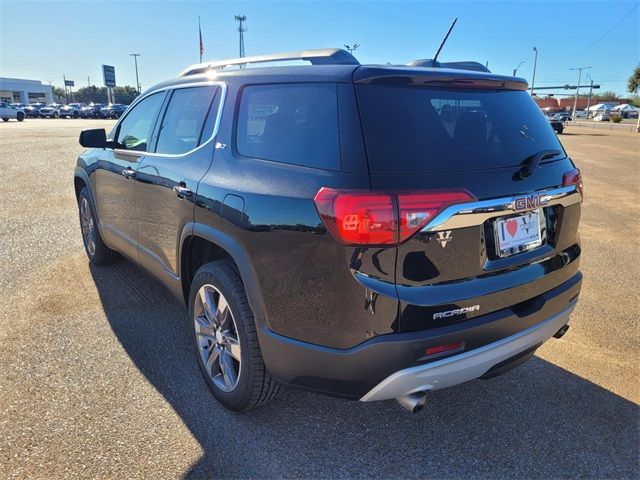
183,124
290,123
418,129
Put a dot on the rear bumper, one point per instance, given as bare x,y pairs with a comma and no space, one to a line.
358,371
469,365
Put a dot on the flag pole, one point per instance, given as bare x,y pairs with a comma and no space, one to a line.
200,35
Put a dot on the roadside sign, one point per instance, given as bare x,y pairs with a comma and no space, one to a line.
109,75
69,83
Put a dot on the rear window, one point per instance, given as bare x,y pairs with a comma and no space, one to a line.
290,123
415,129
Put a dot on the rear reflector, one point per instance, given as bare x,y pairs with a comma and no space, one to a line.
444,348
573,177
381,218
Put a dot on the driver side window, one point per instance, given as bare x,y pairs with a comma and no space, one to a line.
135,129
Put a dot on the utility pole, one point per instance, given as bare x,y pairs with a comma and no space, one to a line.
515,70
66,93
241,29
590,90
89,82
351,48
575,103
135,59
535,63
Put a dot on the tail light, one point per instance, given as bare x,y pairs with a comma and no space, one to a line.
381,218
573,177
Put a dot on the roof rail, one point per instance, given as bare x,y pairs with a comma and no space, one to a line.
321,56
427,62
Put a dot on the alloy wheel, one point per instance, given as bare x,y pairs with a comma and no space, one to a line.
88,226
217,338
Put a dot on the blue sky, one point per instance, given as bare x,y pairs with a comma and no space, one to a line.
79,36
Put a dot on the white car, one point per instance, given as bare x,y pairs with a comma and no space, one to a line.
71,111
52,110
8,111
581,114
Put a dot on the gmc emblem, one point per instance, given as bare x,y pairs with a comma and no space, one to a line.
528,203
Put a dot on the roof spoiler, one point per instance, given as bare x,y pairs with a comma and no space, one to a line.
321,56
427,62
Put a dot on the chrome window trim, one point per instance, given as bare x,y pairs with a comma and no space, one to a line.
216,125
476,213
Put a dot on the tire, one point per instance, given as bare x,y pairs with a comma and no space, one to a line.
76,114
97,251
5,119
55,115
220,284
560,130
20,116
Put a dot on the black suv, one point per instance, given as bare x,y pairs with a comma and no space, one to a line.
365,231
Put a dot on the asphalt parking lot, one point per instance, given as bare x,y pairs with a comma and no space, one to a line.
97,377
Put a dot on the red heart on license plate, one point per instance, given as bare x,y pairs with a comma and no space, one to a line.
512,227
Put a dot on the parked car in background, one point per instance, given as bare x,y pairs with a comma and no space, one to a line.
33,110
18,105
51,111
91,111
562,116
113,110
581,114
8,112
556,124
72,110
601,117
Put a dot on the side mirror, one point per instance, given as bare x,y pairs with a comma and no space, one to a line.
95,138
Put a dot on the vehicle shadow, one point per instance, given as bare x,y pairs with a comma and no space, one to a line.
536,421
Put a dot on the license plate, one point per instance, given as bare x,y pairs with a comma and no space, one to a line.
517,234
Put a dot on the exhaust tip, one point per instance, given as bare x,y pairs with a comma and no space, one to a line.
560,333
414,402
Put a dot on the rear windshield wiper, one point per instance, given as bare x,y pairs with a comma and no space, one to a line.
530,163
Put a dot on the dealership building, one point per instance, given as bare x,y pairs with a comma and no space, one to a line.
17,90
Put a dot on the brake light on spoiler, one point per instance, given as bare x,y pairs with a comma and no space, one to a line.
356,217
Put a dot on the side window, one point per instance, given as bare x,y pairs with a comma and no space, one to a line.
182,127
134,131
290,123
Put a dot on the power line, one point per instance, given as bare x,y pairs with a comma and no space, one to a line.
603,35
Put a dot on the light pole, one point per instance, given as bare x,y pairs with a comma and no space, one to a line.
515,70
575,103
535,63
135,60
590,90
351,48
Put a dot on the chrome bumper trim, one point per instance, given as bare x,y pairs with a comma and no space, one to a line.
468,365
476,213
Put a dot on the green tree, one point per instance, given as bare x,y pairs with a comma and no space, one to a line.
633,84
606,95
125,94
59,92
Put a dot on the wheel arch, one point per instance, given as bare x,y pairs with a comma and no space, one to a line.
201,244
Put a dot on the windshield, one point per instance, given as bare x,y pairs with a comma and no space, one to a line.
415,130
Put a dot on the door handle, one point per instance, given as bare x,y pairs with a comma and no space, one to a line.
129,172
182,191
